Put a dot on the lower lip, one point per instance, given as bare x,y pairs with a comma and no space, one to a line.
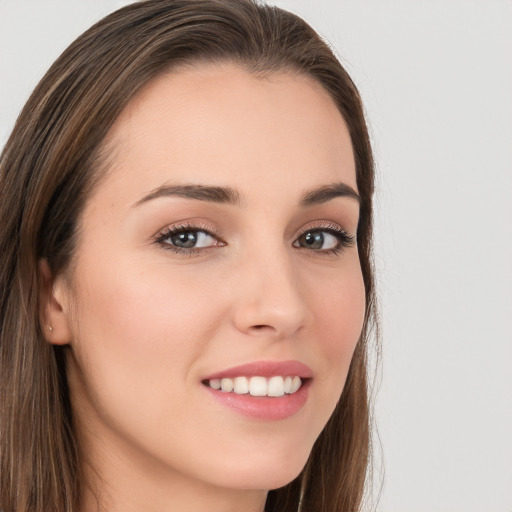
264,407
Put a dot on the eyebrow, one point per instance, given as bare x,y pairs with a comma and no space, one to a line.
226,195
231,196
327,192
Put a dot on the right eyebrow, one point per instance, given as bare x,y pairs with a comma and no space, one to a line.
225,195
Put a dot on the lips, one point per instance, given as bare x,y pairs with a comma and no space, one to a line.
261,398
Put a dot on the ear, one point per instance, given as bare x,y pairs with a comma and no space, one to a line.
54,313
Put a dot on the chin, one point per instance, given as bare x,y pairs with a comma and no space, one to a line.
256,473
276,479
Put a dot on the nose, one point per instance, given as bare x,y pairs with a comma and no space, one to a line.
270,301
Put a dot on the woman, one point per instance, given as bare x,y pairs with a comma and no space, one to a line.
186,271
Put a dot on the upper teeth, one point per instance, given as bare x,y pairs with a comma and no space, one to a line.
258,386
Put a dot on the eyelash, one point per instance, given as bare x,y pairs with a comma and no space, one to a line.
345,239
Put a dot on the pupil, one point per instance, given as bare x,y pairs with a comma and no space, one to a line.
315,240
184,239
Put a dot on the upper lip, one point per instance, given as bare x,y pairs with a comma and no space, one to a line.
265,369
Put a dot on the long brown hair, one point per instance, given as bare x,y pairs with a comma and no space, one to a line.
52,160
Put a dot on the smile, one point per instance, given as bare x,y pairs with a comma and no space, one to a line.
258,386
262,390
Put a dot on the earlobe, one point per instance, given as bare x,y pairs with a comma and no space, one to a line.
54,316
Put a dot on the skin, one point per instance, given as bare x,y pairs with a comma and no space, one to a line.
146,324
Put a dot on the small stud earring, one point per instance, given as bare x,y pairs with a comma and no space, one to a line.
50,329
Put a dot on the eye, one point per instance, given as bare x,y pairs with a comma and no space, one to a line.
317,240
190,239
186,239
327,240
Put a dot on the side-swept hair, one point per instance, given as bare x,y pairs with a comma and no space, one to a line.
52,160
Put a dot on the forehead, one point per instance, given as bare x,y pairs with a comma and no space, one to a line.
223,125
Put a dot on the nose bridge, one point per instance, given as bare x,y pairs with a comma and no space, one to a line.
271,298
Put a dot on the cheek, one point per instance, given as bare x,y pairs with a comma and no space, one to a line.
339,316
129,308
343,316
140,332
339,306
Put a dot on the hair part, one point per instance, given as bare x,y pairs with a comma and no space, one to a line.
52,161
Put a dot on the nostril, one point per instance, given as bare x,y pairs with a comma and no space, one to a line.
262,328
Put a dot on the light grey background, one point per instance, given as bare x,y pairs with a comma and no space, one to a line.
436,78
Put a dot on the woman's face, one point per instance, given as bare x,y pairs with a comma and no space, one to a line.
220,245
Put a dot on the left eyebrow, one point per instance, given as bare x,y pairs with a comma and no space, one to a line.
327,192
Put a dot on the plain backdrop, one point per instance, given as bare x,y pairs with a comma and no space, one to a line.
436,79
